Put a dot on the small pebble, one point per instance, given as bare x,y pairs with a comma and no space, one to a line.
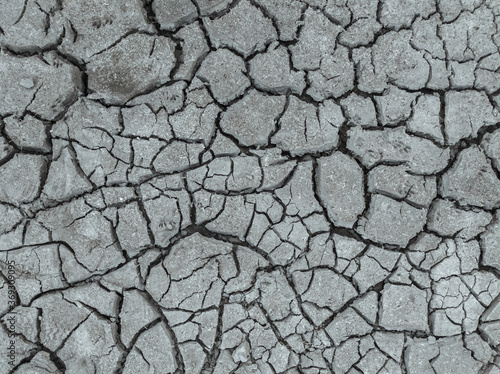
27,83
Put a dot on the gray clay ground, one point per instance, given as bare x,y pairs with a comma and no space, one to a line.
250,186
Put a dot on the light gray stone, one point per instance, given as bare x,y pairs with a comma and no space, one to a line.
298,194
317,40
140,121
208,7
189,264
207,206
453,357
334,78
367,306
396,182
363,9
394,106
404,308
335,10
459,45
452,9
135,313
346,324
375,265
177,156
166,216
286,15
426,118
243,186
419,355
360,110
132,229
305,129
10,217
455,305
27,26
347,247
270,71
6,149
346,355
373,361
37,269
224,73
94,26
339,290
41,363
275,167
439,75
65,179
21,178
169,97
234,218
361,32
321,253
425,32
398,62
28,133
55,81
194,123
490,322
395,146
448,220
87,232
193,356
340,187
391,222
485,286
243,29
489,240
399,14
143,355
486,76
93,336
481,351
240,173
469,253
93,295
223,146
124,277
390,343
99,166
465,113
90,123
58,312
111,78
253,119
173,13
194,49
463,74
249,262
491,147
369,78
449,265
471,180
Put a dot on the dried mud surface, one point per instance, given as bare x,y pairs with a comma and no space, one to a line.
250,186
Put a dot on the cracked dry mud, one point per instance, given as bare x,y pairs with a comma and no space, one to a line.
250,186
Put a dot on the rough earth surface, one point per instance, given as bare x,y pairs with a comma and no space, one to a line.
250,186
